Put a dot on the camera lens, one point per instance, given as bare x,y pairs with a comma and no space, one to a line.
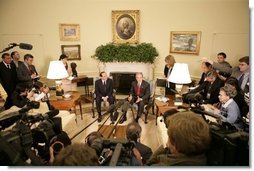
57,146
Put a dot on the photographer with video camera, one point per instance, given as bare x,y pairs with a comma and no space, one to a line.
133,133
188,141
114,152
21,95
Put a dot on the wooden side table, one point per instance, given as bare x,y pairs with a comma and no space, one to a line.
162,107
67,104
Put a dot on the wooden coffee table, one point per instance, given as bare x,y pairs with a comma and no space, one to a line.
67,103
162,107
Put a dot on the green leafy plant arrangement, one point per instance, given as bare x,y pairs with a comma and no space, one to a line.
144,52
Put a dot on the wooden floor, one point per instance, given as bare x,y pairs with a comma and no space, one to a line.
149,136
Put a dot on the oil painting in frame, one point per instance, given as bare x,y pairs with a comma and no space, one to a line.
69,32
72,51
125,26
185,42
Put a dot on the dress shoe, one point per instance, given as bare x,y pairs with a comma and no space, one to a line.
122,120
99,118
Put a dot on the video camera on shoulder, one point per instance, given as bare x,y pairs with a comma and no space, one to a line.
111,152
21,138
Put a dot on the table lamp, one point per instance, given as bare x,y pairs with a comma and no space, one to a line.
180,75
57,72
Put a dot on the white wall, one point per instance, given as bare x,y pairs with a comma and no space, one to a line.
37,22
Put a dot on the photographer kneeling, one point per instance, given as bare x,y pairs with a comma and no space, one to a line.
188,140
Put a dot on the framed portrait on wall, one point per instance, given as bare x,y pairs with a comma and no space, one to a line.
72,51
125,26
69,32
185,42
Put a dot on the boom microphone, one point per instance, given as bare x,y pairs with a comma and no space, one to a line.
111,109
25,46
125,106
119,104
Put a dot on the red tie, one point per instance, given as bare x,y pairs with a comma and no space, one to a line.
138,90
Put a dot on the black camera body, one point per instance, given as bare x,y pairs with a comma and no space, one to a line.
25,142
114,152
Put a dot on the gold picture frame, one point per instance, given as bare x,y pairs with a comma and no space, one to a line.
69,32
125,26
72,51
185,42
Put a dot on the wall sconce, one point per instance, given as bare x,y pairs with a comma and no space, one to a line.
57,72
180,75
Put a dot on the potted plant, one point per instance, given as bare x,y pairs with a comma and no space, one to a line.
144,52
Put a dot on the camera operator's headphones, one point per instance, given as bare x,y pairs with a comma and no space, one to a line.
133,131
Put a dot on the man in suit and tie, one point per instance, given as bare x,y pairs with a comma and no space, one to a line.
16,58
26,72
103,92
8,77
139,94
241,72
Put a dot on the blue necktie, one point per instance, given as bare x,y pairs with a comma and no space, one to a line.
240,81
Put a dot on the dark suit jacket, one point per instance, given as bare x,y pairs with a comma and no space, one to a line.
102,91
172,85
145,151
17,100
144,90
24,75
8,77
213,89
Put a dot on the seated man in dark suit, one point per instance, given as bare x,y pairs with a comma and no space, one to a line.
26,72
103,92
133,133
139,94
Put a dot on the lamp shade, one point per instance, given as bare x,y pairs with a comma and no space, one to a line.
180,74
57,70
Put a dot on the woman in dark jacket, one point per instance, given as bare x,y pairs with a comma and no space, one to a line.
170,61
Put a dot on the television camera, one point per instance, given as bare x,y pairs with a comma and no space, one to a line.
27,136
113,152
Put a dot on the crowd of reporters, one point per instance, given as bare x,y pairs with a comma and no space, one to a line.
189,135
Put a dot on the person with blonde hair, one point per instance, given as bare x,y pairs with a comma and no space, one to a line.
188,140
170,61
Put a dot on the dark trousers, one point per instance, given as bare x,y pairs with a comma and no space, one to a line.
140,104
99,100
8,103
